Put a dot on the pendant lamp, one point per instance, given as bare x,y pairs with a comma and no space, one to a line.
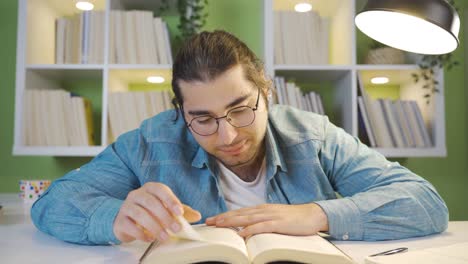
419,26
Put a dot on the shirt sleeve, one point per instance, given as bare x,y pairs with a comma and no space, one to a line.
381,200
81,206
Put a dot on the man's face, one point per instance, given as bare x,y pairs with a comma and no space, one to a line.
234,147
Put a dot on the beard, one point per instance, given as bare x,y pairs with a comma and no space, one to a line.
247,157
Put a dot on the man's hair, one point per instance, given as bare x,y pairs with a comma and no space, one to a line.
207,55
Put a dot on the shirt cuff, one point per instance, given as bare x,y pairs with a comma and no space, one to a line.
102,222
344,219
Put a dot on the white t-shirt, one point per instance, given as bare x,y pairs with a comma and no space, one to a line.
238,193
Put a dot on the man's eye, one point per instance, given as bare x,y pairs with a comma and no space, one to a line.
239,111
204,120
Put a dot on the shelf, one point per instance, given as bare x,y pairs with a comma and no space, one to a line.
57,75
312,67
140,66
337,80
387,67
412,152
65,67
81,151
313,75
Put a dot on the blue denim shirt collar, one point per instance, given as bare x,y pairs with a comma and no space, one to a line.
201,158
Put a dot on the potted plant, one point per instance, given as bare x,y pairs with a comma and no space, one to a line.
380,53
192,16
429,66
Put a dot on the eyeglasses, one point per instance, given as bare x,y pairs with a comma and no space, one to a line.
240,116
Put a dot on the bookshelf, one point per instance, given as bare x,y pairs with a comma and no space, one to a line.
337,78
37,69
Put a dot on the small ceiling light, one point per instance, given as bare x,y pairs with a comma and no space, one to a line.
379,80
303,7
419,26
155,79
85,6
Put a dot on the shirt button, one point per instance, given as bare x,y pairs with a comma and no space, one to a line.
345,236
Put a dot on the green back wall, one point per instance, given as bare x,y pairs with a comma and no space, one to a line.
243,18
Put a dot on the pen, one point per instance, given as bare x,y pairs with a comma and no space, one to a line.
391,252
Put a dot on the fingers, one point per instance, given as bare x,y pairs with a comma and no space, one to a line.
241,217
149,212
156,210
259,228
190,214
166,196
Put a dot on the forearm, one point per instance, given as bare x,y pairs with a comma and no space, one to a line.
84,217
81,206
400,210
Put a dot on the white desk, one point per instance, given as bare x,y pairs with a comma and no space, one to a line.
21,242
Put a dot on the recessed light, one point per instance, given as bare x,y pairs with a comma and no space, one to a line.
85,6
155,79
303,7
379,80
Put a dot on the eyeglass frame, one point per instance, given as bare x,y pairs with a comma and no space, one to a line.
225,116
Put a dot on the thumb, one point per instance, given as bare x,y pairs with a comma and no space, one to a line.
191,214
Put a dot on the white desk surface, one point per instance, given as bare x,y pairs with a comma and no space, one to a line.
21,242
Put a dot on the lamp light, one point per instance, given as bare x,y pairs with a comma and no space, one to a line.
419,26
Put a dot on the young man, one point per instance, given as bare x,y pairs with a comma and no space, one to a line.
223,157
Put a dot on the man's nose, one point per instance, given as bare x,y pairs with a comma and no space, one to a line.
226,132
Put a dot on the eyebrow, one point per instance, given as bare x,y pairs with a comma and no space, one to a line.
231,104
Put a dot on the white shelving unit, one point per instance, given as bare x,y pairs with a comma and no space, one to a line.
36,68
340,74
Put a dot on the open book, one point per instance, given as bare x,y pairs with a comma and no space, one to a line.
224,245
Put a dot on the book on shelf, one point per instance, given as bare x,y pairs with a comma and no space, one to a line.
57,118
296,44
421,125
128,109
369,135
225,245
135,37
375,116
288,93
79,38
392,123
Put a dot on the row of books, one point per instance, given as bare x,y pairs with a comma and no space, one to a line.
79,39
135,38
57,118
128,109
300,38
138,38
391,123
288,93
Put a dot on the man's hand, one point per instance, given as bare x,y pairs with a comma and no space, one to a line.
303,219
148,211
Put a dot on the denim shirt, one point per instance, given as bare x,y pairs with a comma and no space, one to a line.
308,160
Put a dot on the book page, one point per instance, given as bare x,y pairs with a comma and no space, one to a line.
218,244
276,247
